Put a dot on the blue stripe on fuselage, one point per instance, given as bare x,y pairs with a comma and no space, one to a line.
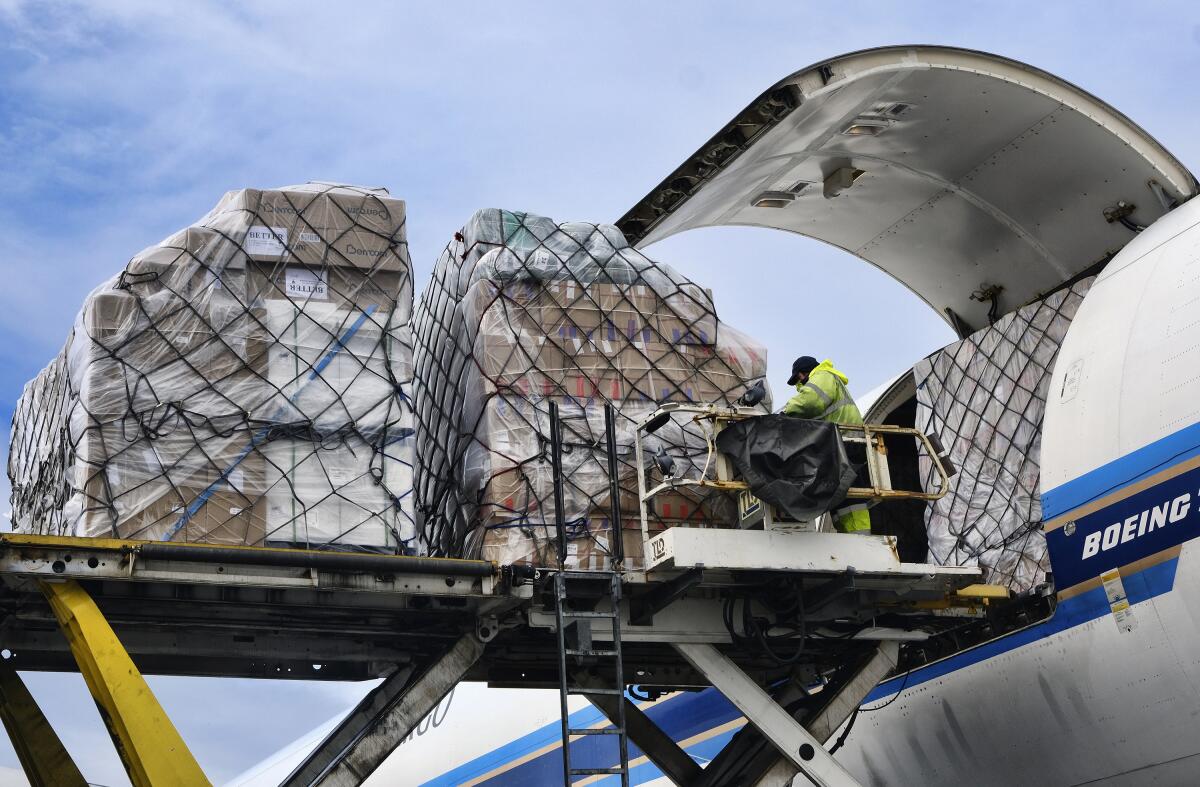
1132,524
686,716
680,716
1142,463
1127,530
1075,611
1092,604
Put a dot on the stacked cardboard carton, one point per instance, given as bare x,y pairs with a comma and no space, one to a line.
985,397
245,381
522,312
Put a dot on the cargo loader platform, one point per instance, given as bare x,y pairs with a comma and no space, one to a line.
426,623
793,623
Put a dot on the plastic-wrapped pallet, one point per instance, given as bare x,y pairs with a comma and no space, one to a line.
985,397
245,381
521,312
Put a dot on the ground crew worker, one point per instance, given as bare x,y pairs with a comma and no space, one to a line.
821,395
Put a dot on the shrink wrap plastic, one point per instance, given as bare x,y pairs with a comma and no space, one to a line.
245,381
985,397
522,311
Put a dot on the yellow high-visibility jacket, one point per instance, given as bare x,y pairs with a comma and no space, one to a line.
824,397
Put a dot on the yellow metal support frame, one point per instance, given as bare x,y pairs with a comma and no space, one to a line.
150,747
42,755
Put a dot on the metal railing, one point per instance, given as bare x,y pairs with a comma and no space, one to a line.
713,418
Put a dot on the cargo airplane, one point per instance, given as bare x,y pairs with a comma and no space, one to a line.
954,170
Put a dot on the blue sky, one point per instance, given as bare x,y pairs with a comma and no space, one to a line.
121,122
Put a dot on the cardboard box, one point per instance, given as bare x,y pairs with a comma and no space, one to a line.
140,353
225,517
318,225
349,288
204,510
108,319
501,354
675,331
571,330
329,496
193,264
567,295
125,473
689,316
516,300
330,367
516,495
638,298
109,314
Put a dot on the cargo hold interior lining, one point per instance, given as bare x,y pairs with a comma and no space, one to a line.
984,398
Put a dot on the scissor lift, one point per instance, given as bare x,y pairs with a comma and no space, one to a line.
424,624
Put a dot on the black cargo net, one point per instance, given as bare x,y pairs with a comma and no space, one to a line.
984,397
521,312
246,381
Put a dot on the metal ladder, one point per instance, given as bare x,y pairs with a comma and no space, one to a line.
575,644
575,625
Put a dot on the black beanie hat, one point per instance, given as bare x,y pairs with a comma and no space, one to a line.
802,365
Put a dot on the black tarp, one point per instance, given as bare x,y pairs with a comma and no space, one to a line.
795,464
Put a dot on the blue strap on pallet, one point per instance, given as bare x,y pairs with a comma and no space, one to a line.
261,435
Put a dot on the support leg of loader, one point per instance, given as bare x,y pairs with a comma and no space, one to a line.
383,719
827,718
835,712
750,759
41,753
780,774
150,747
785,733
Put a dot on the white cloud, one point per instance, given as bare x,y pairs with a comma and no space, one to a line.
122,121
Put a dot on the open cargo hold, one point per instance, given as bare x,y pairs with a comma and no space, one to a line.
521,312
984,397
245,381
